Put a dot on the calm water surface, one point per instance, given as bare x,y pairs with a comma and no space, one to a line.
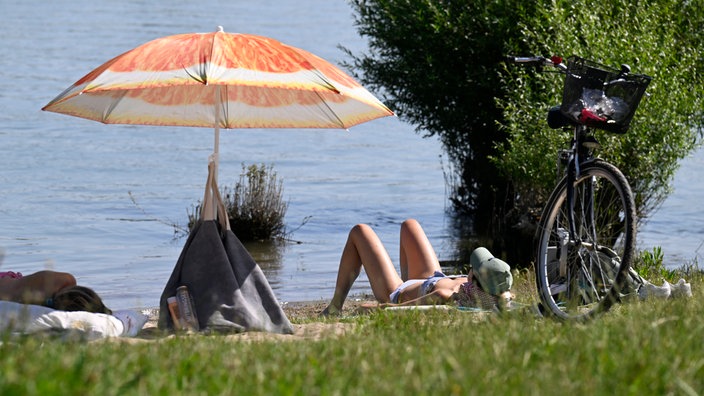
101,201
678,226
105,202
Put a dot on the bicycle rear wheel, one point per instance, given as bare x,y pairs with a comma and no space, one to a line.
580,276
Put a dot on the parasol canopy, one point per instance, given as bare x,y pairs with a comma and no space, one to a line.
219,80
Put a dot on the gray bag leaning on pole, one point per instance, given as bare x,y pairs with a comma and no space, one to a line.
229,290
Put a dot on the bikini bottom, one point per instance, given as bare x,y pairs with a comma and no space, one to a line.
427,287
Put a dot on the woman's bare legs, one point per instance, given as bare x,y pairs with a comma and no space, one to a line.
364,249
417,256
35,288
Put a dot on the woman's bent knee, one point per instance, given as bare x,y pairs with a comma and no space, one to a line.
409,223
361,229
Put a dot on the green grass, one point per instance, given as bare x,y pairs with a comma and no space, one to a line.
652,347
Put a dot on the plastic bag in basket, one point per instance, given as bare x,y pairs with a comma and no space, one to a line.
595,107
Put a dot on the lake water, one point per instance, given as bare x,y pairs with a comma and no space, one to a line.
678,226
105,202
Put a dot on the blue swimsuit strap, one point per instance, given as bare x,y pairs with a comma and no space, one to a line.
429,283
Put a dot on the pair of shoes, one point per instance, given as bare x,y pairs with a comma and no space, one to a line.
681,289
648,290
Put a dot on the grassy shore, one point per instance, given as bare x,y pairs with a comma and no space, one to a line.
650,347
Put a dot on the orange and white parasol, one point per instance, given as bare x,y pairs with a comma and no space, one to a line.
220,80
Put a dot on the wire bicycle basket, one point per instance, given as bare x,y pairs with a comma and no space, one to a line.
600,96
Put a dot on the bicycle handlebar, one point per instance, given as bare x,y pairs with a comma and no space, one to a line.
538,61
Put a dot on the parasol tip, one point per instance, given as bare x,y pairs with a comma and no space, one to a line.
220,29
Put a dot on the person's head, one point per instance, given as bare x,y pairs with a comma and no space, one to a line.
79,298
494,275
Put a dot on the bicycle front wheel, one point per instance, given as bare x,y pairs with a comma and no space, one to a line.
580,268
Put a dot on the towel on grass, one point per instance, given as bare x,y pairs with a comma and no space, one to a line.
28,319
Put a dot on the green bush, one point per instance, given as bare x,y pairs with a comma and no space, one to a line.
437,72
439,66
255,205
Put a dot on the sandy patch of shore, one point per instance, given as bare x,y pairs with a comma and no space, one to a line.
296,312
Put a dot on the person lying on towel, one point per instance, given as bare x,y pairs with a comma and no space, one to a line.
421,281
57,290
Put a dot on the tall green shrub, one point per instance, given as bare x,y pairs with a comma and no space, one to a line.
439,65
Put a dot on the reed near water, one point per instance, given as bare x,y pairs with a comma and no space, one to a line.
255,205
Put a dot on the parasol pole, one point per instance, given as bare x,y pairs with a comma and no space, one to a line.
216,148
218,98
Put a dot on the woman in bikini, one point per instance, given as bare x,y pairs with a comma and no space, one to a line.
53,289
421,281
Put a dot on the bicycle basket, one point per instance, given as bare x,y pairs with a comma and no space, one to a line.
601,97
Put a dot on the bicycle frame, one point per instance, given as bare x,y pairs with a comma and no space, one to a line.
579,154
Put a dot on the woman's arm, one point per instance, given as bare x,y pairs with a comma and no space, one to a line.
35,288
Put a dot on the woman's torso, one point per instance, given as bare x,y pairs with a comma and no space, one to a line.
416,290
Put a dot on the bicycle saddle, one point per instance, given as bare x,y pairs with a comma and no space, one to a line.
556,119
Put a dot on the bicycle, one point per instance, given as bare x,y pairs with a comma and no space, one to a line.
586,233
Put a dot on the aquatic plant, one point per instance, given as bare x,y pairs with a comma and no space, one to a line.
255,205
